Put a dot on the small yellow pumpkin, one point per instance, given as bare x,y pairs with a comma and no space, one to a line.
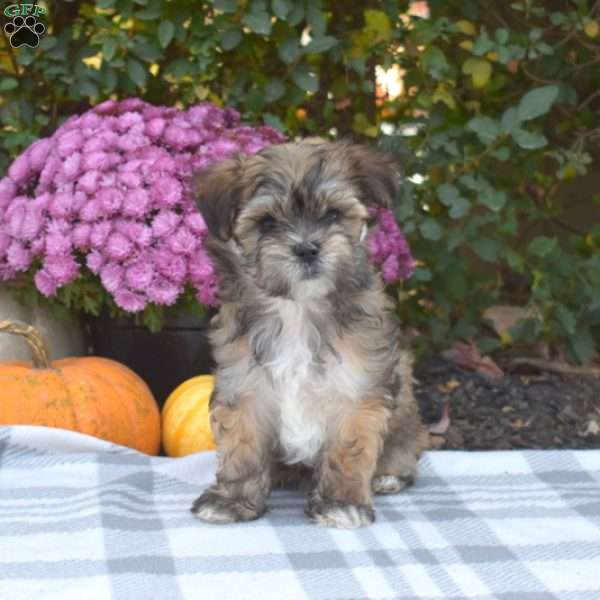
185,418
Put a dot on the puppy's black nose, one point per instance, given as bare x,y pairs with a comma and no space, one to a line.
307,251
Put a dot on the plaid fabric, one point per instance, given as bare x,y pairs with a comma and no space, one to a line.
83,519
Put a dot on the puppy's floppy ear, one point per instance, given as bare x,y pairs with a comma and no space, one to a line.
219,190
375,174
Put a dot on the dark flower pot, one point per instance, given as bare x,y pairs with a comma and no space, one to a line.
164,359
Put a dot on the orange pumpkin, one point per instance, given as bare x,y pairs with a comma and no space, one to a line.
91,395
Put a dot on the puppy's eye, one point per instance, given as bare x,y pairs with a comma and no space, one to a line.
267,223
333,215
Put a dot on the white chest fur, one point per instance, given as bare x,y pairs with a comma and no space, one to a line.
308,397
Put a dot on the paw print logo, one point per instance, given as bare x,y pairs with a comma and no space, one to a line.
24,32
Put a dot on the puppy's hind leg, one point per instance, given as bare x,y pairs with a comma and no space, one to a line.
405,441
243,475
397,466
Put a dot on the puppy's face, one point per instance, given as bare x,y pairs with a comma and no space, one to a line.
295,215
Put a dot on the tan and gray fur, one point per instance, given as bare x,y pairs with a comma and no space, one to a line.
312,374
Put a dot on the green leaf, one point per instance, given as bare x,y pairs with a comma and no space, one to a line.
289,50
406,207
514,260
483,44
488,344
274,89
48,42
525,330
361,124
493,199
447,193
25,56
315,19
42,119
26,111
281,8
226,6
443,94
321,44
377,25
537,102
136,72
259,22
455,238
455,282
422,274
434,61
166,31
486,249
88,88
305,79
153,317
90,305
583,345
255,100
450,197
466,27
8,83
479,69
528,140
510,120
460,207
273,121
430,229
470,182
502,36
486,128
510,222
502,153
109,47
150,13
109,77
566,318
296,14
558,18
147,51
230,39
541,246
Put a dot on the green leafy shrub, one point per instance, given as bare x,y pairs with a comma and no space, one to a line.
497,128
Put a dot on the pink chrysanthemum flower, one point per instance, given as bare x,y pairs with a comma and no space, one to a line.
45,283
18,256
140,275
130,301
388,247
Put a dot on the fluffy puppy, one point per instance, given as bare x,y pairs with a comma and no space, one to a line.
311,369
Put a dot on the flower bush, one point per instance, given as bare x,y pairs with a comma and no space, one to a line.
501,204
106,199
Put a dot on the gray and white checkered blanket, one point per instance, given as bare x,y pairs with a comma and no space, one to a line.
81,519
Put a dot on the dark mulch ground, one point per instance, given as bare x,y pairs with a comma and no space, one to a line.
533,410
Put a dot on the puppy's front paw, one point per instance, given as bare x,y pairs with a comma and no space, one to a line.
331,513
215,508
391,484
